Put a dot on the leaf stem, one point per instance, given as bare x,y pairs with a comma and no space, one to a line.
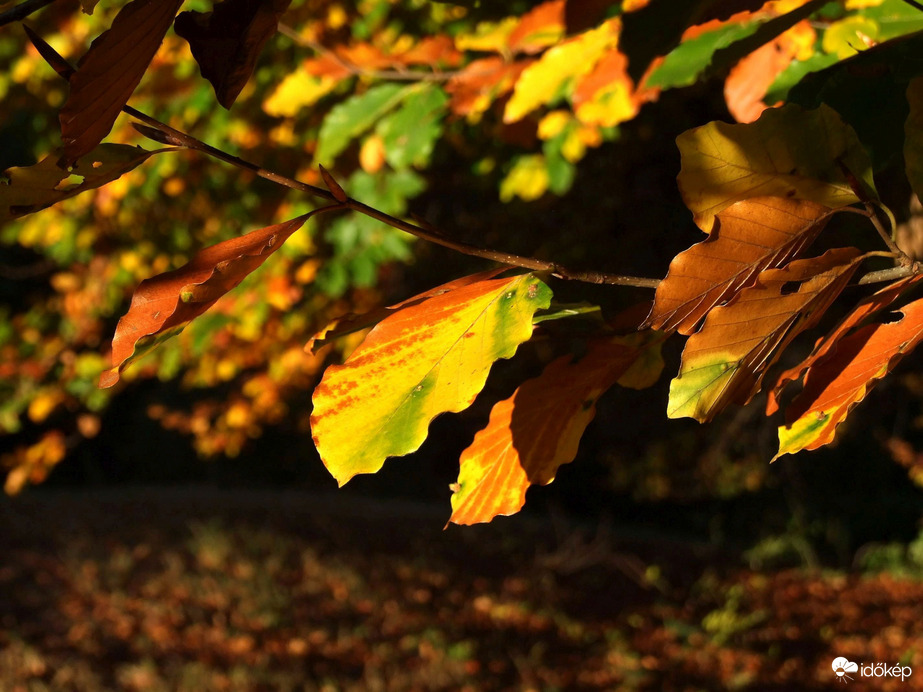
22,10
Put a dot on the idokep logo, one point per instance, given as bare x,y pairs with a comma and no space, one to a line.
843,666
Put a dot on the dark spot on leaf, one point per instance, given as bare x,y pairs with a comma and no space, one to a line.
892,317
790,287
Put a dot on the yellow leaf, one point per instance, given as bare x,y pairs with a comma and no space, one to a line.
488,36
528,179
43,404
849,36
428,358
298,90
542,80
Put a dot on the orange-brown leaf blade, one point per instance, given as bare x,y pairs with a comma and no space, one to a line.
865,309
163,305
838,382
538,429
227,41
109,72
724,363
749,237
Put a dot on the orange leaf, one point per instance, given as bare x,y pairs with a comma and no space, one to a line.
749,236
538,429
839,381
751,78
163,305
724,363
539,28
866,308
227,41
481,82
109,72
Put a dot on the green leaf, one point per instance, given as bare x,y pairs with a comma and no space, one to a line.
789,152
355,115
684,64
429,358
411,131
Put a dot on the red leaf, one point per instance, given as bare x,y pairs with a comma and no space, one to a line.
109,72
227,41
164,304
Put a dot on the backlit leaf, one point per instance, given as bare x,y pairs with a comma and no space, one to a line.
539,428
748,237
913,136
110,70
428,358
355,115
724,363
865,309
227,41
843,378
163,305
351,323
528,179
539,28
788,152
541,81
32,188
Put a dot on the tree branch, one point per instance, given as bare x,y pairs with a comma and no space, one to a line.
163,133
22,10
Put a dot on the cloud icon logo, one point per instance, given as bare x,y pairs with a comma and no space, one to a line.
842,666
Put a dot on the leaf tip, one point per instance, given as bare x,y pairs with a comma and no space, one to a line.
335,189
108,378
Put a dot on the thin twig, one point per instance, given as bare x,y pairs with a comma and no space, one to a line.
165,134
392,75
871,207
22,10
914,3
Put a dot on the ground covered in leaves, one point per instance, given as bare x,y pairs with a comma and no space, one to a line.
212,590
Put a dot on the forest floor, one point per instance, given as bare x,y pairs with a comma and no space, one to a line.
192,589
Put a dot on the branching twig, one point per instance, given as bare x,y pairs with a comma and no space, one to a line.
163,133
22,10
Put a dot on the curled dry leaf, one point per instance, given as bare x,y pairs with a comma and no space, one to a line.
539,427
836,383
826,345
724,363
749,237
227,41
32,188
428,358
163,305
110,70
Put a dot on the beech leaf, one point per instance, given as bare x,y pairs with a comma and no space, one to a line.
428,358
539,427
32,188
351,322
748,237
788,152
724,363
227,41
110,70
865,309
836,383
163,305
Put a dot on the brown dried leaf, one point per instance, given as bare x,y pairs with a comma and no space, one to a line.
110,70
749,236
227,41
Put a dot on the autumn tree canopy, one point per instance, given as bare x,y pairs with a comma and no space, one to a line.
324,118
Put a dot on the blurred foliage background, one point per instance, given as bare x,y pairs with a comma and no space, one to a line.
586,181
